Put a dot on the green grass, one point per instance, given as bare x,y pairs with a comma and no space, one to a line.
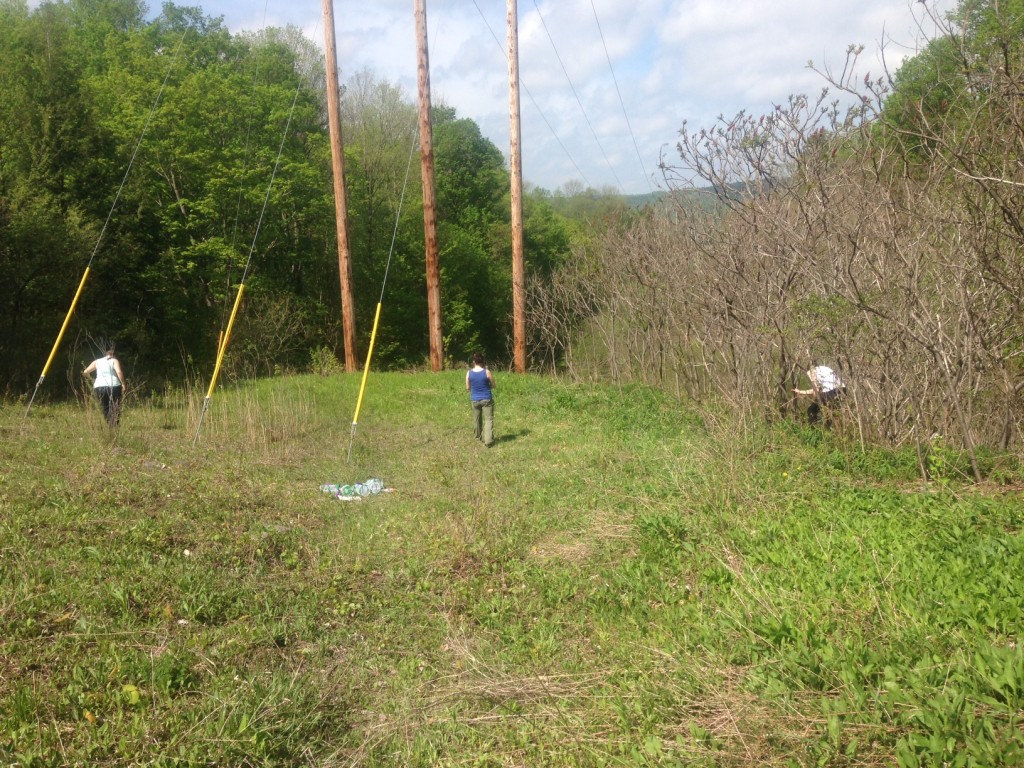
618,581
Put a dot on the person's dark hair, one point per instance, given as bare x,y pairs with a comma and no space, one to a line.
478,359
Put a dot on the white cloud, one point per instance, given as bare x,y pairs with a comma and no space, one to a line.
672,60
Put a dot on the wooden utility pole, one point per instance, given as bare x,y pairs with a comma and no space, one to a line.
348,315
516,167
427,173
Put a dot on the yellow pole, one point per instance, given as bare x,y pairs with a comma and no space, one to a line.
362,385
221,349
366,368
60,336
224,344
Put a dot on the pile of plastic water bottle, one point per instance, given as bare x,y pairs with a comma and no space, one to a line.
356,490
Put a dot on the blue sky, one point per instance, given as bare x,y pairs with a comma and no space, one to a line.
672,60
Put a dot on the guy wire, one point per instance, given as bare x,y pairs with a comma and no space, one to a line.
380,302
222,348
398,214
245,160
106,222
138,144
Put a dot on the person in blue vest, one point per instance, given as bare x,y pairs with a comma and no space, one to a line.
109,385
480,385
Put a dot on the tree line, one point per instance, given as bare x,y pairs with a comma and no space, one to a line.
884,238
199,115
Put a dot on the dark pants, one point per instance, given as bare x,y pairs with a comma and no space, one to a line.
110,399
823,400
483,421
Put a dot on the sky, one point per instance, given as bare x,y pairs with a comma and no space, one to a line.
606,84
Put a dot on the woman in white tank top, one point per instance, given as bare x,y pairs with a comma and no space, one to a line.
109,385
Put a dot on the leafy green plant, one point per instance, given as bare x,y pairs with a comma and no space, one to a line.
323,362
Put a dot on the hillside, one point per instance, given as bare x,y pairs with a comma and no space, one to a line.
620,580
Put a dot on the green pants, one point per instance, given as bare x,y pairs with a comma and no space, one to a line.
483,420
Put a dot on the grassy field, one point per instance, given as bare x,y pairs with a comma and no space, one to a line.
618,581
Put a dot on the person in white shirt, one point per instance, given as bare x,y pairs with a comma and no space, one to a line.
826,388
109,385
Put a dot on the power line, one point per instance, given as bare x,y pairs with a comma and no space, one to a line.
574,93
533,100
619,94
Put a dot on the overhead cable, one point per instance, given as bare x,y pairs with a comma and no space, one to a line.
540,111
576,95
622,104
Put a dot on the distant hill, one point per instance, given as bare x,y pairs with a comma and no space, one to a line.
702,197
639,201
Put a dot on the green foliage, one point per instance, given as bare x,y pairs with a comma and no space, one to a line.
198,207
588,208
992,31
472,189
323,362
547,236
942,86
